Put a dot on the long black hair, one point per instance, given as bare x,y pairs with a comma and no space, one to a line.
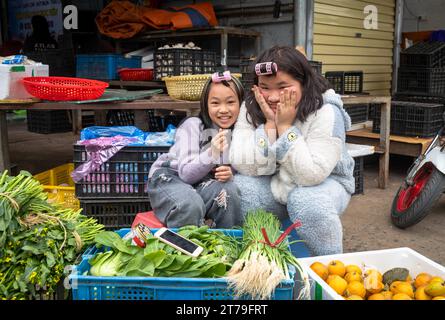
295,64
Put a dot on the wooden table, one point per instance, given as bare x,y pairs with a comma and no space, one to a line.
163,102
382,143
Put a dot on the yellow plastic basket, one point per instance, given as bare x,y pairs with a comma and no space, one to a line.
59,185
188,87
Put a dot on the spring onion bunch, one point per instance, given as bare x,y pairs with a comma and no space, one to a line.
261,267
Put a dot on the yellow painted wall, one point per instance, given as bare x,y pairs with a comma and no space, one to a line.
336,23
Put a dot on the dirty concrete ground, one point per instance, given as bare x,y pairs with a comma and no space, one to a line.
366,222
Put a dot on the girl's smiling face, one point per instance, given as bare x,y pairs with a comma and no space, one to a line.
271,86
223,105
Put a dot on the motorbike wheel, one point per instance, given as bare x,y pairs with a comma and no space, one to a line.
412,203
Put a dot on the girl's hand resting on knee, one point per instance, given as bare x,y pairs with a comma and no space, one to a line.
223,173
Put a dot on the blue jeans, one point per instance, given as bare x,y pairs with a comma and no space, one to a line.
177,203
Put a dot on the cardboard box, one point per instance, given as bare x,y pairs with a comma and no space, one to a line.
11,86
382,260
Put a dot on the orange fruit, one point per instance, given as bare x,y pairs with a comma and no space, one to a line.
377,296
337,283
401,296
420,294
352,267
374,273
320,269
356,288
439,298
402,287
353,276
337,267
422,279
354,297
387,294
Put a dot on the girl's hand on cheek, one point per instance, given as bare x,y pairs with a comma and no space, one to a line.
265,108
223,173
286,110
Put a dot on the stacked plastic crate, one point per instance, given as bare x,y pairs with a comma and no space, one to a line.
117,190
418,105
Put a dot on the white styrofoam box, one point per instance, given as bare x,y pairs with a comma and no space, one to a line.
11,86
381,260
359,150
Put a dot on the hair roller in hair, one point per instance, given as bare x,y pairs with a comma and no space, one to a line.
266,68
221,76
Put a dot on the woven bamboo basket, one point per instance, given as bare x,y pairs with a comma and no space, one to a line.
188,87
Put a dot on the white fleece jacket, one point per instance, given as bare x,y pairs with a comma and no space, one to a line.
305,155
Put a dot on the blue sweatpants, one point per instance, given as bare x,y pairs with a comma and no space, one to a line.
318,208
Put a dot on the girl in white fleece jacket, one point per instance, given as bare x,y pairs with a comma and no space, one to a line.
288,147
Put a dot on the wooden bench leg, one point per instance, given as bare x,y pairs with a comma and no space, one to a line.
4,143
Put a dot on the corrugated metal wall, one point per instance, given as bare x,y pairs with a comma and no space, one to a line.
336,44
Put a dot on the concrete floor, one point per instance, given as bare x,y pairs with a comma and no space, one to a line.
366,222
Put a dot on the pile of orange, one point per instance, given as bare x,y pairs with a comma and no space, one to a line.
353,283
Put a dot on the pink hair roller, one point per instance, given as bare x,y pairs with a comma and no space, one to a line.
266,68
221,76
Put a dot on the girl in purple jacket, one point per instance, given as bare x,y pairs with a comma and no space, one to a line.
192,183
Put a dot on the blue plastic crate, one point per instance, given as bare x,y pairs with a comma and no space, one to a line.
86,287
103,66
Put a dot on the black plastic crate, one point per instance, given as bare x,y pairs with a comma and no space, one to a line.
317,66
421,81
424,54
357,112
159,123
412,119
61,62
358,175
177,62
418,98
123,176
345,82
247,69
120,118
48,121
114,214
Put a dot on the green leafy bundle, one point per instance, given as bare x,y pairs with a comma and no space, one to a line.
37,239
158,259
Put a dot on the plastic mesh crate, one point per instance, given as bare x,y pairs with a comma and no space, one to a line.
421,81
114,214
85,287
120,118
246,68
103,66
345,81
417,98
412,118
178,62
357,112
424,54
159,123
358,175
48,121
317,66
125,175
61,62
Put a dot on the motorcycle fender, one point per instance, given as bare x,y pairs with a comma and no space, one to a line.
437,158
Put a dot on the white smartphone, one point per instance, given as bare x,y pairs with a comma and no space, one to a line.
178,242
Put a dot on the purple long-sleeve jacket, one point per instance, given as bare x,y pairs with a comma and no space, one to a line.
191,155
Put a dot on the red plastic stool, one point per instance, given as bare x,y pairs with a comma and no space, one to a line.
149,219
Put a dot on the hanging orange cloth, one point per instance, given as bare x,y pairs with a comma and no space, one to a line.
120,19
123,19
